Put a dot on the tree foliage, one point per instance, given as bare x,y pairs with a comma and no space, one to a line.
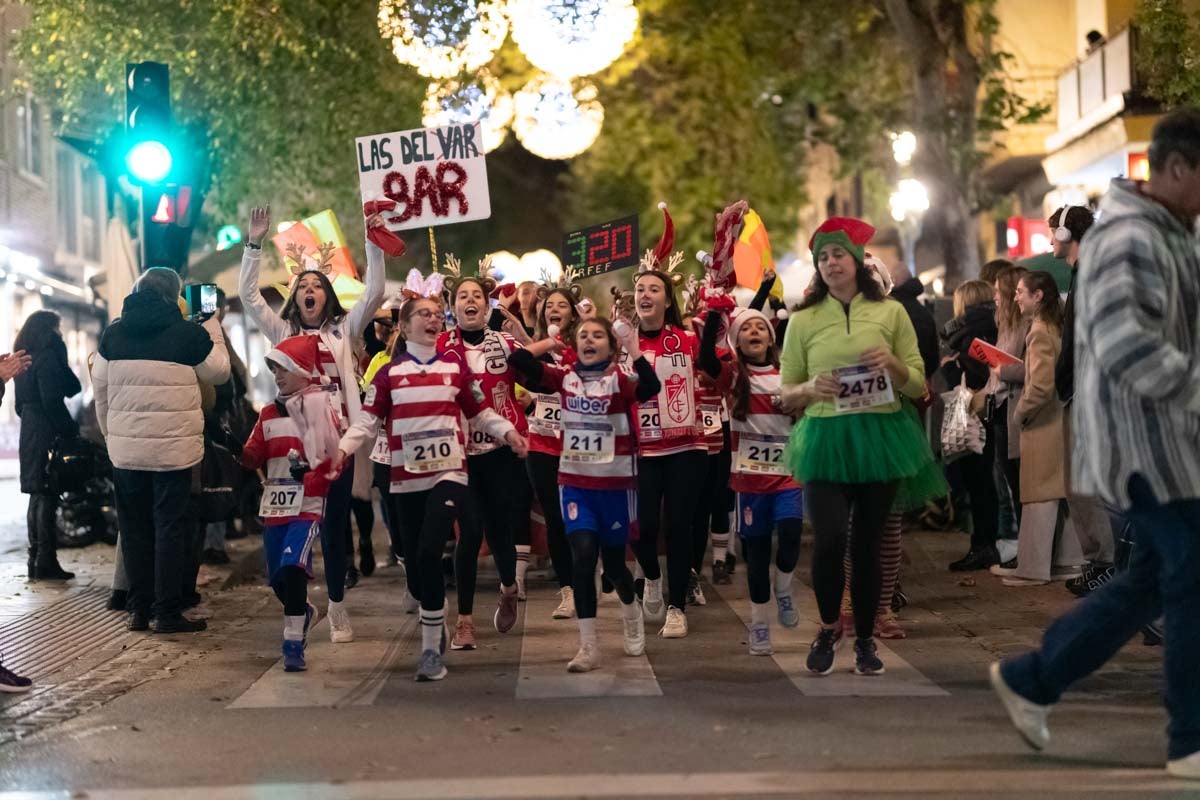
1168,52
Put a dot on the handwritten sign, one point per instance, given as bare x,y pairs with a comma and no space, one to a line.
990,354
602,248
437,176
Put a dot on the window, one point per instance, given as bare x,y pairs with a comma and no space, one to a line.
68,237
30,137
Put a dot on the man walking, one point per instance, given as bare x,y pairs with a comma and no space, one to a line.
1136,442
147,381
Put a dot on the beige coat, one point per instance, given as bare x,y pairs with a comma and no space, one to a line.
1039,414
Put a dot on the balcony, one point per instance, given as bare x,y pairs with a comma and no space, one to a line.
1095,90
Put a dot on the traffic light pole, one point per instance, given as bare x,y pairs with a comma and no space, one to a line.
141,229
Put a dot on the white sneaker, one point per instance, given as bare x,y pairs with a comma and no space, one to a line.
652,600
1186,767
586,660
760,640
409,603
566,608
340,631
1027,717
635,633
676,625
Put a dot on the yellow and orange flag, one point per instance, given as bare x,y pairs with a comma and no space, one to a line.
752,255
310,234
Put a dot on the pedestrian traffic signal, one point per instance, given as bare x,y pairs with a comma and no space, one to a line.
148,128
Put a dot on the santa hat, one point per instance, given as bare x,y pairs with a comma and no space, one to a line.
296,354
739,316
852,234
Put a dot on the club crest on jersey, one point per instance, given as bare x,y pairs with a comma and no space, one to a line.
572,511
679,405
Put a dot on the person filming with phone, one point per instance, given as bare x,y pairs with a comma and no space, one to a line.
147,377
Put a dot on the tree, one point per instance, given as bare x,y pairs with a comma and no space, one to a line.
1168,51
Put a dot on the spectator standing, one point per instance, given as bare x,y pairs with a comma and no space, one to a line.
907,289
1012,328
12,365
40,393
147,378
1137,416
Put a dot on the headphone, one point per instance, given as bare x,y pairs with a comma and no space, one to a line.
1062,233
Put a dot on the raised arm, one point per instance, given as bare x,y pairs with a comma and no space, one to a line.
272,326
364,310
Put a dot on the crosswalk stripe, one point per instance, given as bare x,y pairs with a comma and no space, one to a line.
339,675
931,782
901,679
548,644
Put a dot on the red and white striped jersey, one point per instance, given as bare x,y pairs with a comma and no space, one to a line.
487,364
670,422
598,445
423,406
274,435
327,372
758,441
545,420
712,403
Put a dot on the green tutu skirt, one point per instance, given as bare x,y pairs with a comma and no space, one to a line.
868,448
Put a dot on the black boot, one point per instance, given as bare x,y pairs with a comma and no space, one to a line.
46,567
976,559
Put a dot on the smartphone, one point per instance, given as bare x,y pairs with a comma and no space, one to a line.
201,299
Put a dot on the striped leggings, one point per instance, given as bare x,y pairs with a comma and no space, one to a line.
889,563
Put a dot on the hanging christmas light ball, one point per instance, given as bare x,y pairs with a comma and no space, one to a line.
569,38
554,121
443,38
481,100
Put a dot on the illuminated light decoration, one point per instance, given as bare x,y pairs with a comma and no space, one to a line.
569,38
482,100
552,121
443,39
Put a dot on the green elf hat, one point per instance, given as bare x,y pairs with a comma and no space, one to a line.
852,234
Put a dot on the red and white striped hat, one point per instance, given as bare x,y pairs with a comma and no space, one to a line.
296,354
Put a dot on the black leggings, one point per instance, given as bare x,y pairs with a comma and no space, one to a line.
334,530
291,587
584,546
758,557
712,512
672,483
383,482
493,478
521,502
428,521
829,507
543,475
364,518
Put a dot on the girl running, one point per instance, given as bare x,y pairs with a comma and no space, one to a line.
556,321
672,456
597,469
851,350
494,468
313,309
422,394
768,499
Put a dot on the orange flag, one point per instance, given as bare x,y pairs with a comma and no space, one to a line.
752,255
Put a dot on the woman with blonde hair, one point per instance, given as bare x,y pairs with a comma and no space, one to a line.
974,318
1006,385
1039,415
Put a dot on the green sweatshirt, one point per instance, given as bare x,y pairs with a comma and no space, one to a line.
826,336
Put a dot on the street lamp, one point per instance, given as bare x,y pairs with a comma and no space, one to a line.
908,204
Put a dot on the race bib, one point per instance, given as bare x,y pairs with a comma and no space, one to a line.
711,416
588,442
547,415
761,454
281,498
382,452
479,442
432,451
862,387
649,422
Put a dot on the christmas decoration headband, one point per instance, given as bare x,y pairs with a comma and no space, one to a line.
566,282
454,277
322,263
661,259
417,286
852,234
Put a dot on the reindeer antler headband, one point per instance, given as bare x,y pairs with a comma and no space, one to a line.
452,266
323,260
661,259
566,282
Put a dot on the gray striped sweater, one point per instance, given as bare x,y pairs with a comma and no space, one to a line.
1137,380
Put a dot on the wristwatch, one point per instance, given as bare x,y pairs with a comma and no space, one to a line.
253,246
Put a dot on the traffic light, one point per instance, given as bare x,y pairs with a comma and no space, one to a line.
148,128
168,216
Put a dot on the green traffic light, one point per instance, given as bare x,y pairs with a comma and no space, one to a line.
149,161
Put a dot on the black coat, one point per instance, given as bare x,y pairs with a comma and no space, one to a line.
40,392
908,293
978,323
